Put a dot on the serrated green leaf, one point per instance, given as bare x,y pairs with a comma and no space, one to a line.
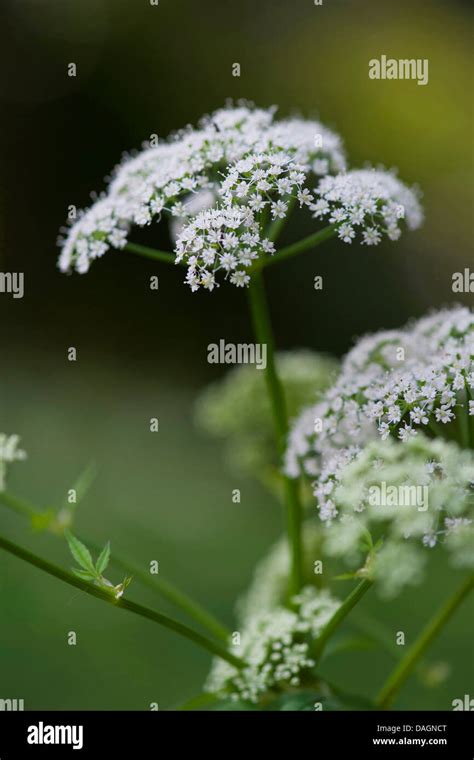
103,559
80,552
84,574
120,589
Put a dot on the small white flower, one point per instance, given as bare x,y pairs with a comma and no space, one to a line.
240,279
370,236
444,414
279,209
346,233
9,452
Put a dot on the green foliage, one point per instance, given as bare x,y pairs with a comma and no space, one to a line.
103,559
90,572
80,552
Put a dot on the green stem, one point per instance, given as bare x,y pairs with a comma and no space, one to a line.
20,506
340,615
125,604
174,595
405,667
264,335
150,253
301,245
164,587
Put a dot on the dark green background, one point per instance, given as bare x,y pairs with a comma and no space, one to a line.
142,354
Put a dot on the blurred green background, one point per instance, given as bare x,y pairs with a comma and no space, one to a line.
142,354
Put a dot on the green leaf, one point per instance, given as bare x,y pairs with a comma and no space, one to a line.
120,589
84,574
103,559
80,552
367,540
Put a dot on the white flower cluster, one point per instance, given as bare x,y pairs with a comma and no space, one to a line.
223,182
413,497
276,645
369,200
9,452
391,384
222,238
168,176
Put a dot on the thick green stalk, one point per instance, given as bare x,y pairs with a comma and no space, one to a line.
164,587
125,604
339,616
264,335
408,663
150,253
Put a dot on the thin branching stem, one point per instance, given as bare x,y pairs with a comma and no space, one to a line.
150,253
300,246
264,335
125,604
168,590
408,663
340,615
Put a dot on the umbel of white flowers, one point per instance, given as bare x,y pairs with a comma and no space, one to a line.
392,383
413,497
276,644
368,432
223,182
9,452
